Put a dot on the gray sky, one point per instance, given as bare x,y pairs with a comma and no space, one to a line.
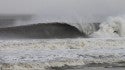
57,8
61,6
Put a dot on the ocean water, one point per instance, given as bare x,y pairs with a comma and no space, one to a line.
110,28
64,35
97,18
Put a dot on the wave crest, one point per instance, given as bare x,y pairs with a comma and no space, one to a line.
112,27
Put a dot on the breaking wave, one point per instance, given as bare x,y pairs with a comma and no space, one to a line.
112,27
41,30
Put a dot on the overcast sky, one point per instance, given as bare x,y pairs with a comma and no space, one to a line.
63,7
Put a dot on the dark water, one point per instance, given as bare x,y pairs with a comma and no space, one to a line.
93,66
89,68
97,68
38,31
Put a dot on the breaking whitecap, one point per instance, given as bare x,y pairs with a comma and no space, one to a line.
112,27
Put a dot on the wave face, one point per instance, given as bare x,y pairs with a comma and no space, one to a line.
41,30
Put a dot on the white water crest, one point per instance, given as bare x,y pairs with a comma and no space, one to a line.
112,27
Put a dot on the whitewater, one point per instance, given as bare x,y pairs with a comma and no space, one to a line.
113,27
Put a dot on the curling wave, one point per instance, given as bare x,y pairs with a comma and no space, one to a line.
41,30
112,27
